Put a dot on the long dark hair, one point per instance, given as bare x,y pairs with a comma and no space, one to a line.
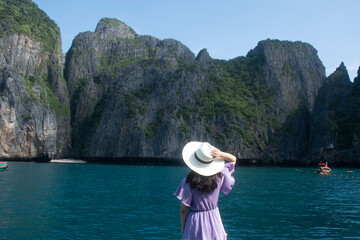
202,183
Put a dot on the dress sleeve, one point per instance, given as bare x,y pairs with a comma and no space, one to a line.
228,179
183,193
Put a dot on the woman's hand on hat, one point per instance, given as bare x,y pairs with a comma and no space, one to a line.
215,153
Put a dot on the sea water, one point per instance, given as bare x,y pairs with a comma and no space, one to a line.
98,201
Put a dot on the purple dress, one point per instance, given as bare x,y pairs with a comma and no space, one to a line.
203,220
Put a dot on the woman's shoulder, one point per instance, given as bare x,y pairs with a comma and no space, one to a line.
183,182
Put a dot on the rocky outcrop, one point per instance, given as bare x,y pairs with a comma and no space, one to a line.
335,121
34,106
357,79
294,74
121,88
110,28
138,96
294,70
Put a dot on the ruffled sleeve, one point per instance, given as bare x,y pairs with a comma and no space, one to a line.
228,179
183,193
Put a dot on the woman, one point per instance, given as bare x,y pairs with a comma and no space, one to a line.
199,191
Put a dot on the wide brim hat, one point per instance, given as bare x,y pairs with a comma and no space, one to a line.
197,157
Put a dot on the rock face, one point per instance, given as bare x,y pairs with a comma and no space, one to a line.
294,74
138,96
34,108
121,89
294,70
335,120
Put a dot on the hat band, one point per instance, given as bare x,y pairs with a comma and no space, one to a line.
204,162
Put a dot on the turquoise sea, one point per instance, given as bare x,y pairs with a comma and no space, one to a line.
98,201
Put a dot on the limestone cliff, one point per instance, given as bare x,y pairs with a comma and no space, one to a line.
294,73
138,96
125,95
34,108
123,89
335,127
294,70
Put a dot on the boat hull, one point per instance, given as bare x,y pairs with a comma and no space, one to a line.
67,161
3,165
323,172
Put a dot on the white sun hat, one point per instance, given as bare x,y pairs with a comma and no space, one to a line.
197,157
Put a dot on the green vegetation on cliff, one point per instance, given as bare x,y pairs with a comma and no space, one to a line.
236,90
24,17
47,95
237,95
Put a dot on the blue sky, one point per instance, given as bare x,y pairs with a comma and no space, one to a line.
227,28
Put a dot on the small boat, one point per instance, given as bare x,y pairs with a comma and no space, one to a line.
3,165
67,161
324,169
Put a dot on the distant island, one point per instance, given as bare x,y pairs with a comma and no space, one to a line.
120,97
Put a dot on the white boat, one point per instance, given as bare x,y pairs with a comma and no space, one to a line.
67,161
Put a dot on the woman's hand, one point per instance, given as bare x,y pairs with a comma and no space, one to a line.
183,215
215,153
